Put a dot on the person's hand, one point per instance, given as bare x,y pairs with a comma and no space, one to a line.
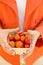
3,40
34,37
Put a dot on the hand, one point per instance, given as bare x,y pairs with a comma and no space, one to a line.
3,40
35,35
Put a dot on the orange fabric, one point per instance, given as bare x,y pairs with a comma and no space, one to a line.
33,15
9,14
9,19
37,53
40,27
14,60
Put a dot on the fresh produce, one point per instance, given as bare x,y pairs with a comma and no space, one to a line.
27,41
19,44
19,40
21,34
28,35
26,46
17,37
11,37
12,43
22,38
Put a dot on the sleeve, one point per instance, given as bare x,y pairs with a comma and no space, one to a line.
40,26
0,15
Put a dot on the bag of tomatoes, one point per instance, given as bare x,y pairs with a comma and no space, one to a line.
15,42
23,42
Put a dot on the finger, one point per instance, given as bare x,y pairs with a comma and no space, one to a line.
11,30
8,30
5,32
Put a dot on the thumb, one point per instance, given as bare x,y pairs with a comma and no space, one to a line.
11,30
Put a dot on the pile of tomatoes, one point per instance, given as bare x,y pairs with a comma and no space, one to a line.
19,40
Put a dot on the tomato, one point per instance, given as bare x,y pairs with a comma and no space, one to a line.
26,46
22,38
27,41
21,34
10,37
12,43
17,37
19,44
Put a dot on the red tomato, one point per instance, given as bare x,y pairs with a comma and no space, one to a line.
27,41
17,37
22,38
21,34
10,37
27,46
12,43
19,44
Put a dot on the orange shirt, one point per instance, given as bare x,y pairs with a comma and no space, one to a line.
9,15
33,15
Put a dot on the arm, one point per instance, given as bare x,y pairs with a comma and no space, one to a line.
40,26
1,15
